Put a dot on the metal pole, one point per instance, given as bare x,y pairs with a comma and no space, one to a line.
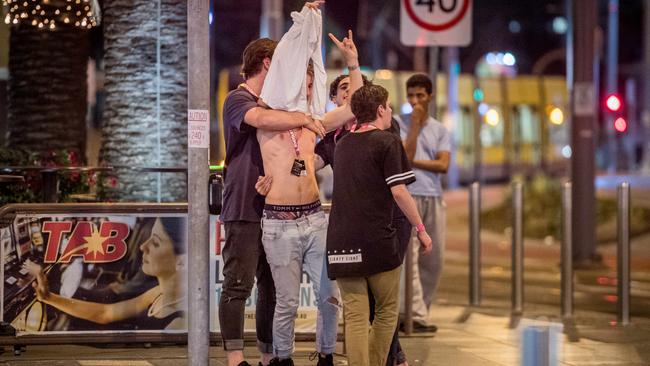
623,254
567,253
517,249
475,244
611,81
583,132
433,74
645,114
453,70
408,289
198,98
272,20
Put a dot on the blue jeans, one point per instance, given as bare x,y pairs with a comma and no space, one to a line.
290,246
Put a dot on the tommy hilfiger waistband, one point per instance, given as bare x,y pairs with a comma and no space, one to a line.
291,212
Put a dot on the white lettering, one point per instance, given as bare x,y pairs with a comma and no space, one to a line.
345,258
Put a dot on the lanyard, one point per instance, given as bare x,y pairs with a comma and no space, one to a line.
365,126
337,134
340,130
296,148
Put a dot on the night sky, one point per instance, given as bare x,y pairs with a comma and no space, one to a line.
237,22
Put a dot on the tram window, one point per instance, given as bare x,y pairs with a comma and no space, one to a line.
492,127
528,123
463,128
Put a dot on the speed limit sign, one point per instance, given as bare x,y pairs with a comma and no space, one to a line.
436,22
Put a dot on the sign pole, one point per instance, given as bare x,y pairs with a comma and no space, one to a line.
583,134
198,103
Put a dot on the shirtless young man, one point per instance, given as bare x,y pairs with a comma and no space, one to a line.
294,226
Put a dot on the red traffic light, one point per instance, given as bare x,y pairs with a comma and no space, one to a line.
613,103
620,124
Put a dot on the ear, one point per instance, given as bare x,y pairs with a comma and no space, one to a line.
267,63
381,111
181,259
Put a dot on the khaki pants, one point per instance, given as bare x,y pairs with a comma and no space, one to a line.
368,345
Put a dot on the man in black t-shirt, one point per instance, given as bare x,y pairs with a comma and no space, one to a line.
371,173
340,94
243,254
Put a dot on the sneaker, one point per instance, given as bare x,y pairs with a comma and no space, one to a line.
328,360
278,362
420,328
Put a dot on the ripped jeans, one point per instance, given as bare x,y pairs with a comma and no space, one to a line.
291,246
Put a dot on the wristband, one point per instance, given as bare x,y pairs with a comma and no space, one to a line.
419,227
353,67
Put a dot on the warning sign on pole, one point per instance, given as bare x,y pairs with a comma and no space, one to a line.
436,22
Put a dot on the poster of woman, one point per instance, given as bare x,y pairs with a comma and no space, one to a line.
98,273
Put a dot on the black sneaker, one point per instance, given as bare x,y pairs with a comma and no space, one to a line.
419,328
328,360
278,362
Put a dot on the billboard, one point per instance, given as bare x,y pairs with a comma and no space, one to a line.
111,273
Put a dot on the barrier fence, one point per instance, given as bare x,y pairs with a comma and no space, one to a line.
567,276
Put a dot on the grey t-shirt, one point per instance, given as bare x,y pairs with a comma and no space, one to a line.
243,160
433,139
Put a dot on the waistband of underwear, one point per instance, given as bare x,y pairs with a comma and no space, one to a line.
291,212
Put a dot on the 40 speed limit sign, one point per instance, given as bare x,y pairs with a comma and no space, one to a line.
436,22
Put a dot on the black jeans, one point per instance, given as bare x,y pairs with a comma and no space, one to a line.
244,259
396,354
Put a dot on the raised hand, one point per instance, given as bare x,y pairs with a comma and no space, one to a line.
419,115
314,5
348,48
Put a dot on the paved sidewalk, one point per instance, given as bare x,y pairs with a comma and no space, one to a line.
481,340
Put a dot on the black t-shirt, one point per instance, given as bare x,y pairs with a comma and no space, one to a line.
243,160
325,149
361,239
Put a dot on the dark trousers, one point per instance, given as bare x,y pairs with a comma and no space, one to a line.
396,354
244,259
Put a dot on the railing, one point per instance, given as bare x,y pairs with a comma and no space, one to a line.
517,255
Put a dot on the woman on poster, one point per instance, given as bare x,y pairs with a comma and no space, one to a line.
161,307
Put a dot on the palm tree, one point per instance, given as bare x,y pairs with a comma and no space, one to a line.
145,118
47,89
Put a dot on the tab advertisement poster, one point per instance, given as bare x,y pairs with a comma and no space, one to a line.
110,273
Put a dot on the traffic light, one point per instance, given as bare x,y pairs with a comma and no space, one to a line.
616,109
613,103
620,125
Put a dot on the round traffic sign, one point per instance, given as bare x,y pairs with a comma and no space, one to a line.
453,18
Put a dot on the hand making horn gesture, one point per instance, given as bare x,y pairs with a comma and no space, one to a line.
348,49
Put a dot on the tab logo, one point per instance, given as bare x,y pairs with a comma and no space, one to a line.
108,244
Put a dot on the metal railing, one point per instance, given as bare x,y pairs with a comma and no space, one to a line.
567,275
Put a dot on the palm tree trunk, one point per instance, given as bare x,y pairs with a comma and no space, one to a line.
145,116
47,89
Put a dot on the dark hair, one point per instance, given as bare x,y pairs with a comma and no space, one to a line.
366,100
334,85
176,228
310,68
420,80
254,55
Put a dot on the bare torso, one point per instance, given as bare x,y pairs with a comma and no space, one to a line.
279,154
